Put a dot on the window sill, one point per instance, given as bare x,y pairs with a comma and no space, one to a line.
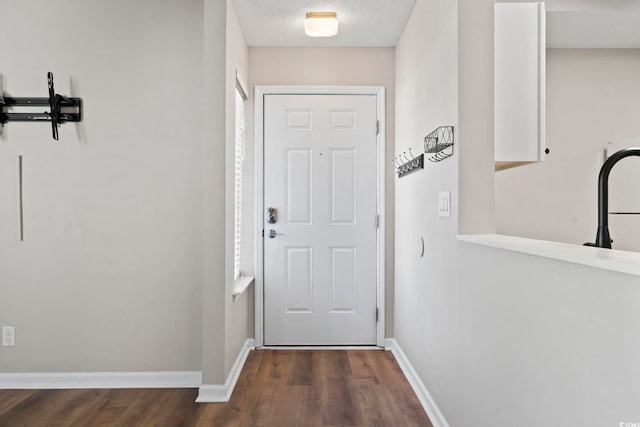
620,261
240,285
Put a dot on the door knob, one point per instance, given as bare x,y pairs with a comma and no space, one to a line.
272,234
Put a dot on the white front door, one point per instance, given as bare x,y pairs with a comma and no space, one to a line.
320,254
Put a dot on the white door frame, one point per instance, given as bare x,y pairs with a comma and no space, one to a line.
260,92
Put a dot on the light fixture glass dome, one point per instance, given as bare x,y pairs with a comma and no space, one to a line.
321,24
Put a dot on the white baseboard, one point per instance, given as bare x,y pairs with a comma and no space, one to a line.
86,380
429,405
94,380
222,393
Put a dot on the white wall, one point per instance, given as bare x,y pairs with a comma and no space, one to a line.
239,315
591,5
226,325
339,66
593,97
214,191
499,338
125,264
109,274
426,288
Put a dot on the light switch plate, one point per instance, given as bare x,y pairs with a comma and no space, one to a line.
444,204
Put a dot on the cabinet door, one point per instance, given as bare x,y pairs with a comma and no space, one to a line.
519,82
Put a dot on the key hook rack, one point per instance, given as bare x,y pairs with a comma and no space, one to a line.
61,109
405,164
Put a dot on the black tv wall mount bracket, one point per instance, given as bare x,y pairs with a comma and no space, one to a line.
62,109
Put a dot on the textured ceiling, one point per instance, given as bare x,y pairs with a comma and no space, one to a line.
363,23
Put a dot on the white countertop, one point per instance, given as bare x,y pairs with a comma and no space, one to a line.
608,259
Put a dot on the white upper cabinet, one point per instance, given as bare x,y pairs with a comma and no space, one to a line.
519,83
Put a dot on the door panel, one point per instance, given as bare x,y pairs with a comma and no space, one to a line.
299,280
344,292
343,198
299,193
320,257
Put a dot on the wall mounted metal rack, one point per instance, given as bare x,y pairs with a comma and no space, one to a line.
439,143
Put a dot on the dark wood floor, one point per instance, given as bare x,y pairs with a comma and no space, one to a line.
277,388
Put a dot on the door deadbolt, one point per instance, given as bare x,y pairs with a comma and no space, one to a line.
272,215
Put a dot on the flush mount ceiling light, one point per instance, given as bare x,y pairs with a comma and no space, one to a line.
321,24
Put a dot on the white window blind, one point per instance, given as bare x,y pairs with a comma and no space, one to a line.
239,156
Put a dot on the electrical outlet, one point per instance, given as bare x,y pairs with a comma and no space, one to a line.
8,336
444,204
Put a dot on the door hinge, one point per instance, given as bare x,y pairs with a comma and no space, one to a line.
377,220
377,314
262,233
377,127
